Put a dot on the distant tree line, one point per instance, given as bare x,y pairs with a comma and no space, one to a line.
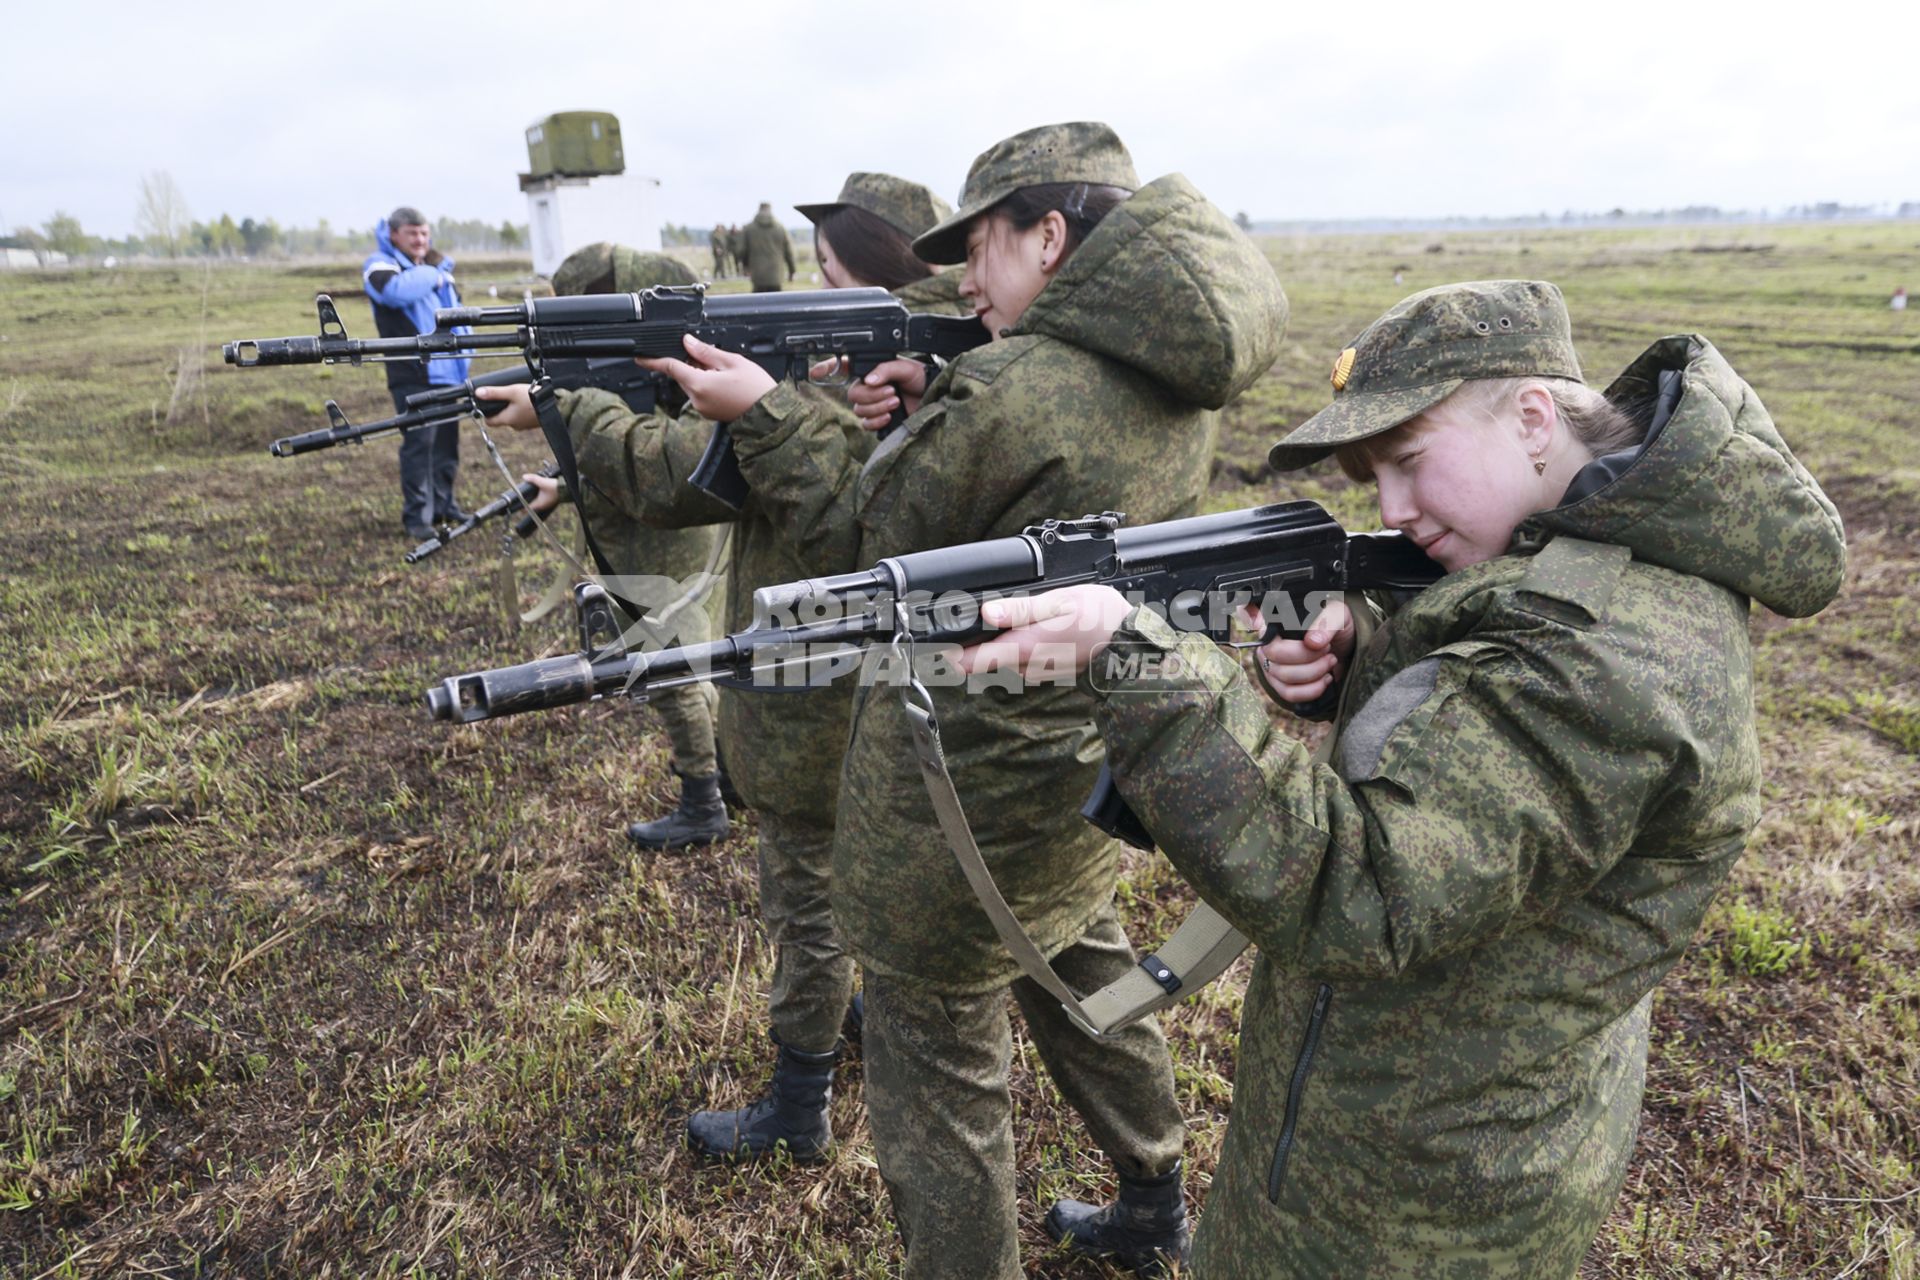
1826,210
166,228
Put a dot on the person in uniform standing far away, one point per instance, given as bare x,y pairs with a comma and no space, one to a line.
1546,765
1124,319
407,279
654,567
717,242
768,252
783,749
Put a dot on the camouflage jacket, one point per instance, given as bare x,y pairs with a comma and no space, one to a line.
1546,768
658,562
938,294
1103,398
782,749
767,251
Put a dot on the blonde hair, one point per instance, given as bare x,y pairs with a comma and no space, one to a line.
1595,421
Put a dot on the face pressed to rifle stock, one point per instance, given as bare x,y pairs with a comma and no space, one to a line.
1196,571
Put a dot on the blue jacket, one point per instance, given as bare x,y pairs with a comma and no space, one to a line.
409,300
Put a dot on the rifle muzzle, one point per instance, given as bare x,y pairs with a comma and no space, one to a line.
253,353
307,442
507,691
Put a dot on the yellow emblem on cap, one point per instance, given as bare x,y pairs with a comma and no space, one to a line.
1343,368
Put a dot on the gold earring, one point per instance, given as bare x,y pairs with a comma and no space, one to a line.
1539,467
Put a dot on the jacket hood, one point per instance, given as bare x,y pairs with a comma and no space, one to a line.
383,239
1168,285
1713,491
765,218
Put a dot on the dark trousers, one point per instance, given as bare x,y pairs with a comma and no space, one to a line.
429,456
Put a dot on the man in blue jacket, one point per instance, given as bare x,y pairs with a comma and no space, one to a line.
406,279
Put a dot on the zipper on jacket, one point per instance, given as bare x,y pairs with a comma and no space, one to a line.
1277,1173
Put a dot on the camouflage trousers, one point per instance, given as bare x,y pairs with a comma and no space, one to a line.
942,1116
688,713
812,974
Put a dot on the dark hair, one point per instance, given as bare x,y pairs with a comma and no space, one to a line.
1082,204
870,247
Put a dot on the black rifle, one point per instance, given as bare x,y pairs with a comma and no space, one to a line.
784,333
642,390
518,498
1196,571
1191,569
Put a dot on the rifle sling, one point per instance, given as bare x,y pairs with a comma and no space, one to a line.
554,428
1199,951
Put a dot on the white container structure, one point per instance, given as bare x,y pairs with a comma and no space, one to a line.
565,214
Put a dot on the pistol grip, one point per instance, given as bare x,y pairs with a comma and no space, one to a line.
1108,810
718,473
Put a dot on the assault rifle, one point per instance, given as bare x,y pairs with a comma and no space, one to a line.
517,498
1194,570
784,333
640,388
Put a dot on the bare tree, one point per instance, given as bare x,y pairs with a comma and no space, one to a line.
35,242
162,214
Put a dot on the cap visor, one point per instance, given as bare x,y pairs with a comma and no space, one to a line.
814,212
1354,417
946,244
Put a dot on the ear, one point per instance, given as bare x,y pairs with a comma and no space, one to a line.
1539,419
1053,241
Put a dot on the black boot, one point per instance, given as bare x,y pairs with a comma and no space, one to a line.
853,1027
700,819
1144,1230
727,792
793,1114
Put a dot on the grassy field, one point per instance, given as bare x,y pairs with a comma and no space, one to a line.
295,982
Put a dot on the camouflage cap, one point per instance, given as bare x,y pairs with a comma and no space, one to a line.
634,270
1424,348
603,267
907,207
1084,151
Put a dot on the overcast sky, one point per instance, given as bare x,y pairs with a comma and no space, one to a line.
1340,109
